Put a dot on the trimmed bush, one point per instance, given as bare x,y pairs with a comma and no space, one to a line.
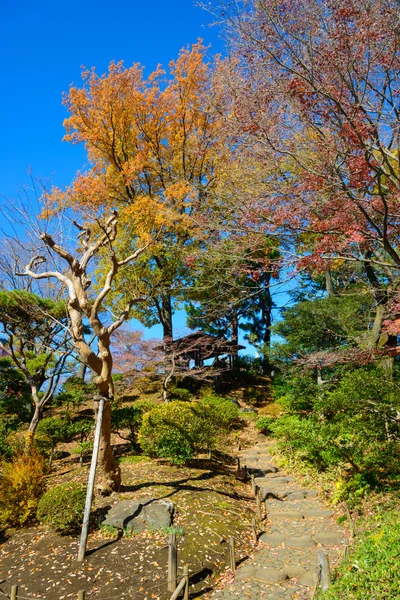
178,430
173,431
21,485
223,412
61,508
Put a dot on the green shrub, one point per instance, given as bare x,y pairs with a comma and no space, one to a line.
179,393
178,430
172,431
6,451
61,507
127,420
21,485
265,424
223,413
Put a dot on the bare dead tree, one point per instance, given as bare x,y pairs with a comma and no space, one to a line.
84,308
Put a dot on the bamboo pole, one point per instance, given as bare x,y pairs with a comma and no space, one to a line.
90,488
186,576
14,592
232,560
172,562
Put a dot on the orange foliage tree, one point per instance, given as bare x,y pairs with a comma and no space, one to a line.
154,151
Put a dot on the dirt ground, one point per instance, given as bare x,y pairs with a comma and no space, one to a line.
211,504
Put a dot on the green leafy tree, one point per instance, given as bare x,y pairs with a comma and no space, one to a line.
36,340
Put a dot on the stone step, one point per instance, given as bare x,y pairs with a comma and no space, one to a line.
292,539
307,577
315,513
272,480
279,491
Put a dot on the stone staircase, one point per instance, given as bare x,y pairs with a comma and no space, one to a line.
299,527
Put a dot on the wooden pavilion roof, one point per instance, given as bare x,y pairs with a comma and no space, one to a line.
199,345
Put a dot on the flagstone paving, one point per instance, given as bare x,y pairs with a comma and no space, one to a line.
298,526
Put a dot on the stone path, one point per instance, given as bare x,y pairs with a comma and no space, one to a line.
298,527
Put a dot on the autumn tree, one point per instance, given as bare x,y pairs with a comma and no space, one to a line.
154,151
313,91
85,306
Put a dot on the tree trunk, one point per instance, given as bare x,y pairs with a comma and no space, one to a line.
166,316
37,417
109,471
234,338
81,371
329,284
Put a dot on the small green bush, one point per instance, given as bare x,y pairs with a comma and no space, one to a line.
223,413
173,431
179,393
180,429
265,424
61,507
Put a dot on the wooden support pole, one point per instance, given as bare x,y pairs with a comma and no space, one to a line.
172,562
14,592
90,488
346,549
238,464
254,530
253,485
232,560
186,576
325,571
258,503
81,595
181,586
245,473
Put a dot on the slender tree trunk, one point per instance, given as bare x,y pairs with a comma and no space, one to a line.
36,418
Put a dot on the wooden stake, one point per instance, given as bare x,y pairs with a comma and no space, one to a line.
90,488
323,560
14,592
346,549
245,474
81,595
186,576
232,560
258,502
253,485
254,530
172,562
177,592
238,464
